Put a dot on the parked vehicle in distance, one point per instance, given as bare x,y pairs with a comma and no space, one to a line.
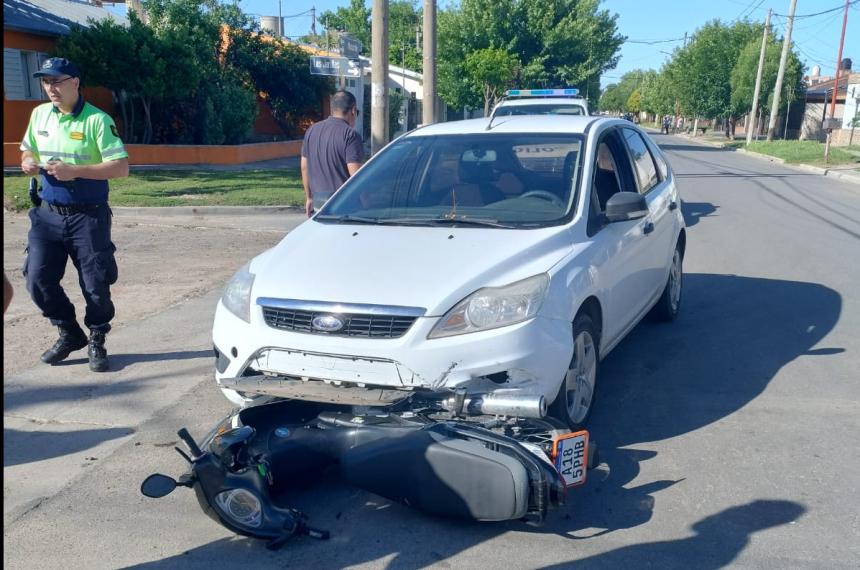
491,263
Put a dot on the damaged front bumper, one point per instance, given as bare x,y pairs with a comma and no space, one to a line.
529,357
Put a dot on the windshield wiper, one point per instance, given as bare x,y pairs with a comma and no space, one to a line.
483,222
351,219
414,221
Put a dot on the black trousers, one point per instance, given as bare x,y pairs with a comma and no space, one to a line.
85,237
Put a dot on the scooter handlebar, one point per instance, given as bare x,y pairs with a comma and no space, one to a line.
189,441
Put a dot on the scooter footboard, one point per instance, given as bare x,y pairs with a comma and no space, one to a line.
441,475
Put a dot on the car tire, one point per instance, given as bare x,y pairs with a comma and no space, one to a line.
669,304
576,394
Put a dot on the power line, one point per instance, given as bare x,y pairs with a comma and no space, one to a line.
652,42
840,7
747,12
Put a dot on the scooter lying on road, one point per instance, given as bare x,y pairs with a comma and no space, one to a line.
426,453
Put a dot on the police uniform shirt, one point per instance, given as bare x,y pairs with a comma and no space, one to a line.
87,135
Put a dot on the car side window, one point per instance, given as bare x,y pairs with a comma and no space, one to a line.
611,174
643,162
662,165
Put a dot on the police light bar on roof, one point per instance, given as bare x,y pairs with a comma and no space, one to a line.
569,92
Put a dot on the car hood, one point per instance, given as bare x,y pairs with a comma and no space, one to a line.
428,267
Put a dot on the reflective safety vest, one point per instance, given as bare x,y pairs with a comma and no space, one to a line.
87,135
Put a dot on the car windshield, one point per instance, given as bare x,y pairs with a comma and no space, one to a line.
478,180
539,109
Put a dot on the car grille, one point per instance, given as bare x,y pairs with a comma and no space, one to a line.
367,326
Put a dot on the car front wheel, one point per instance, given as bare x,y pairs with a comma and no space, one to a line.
669,304
575,398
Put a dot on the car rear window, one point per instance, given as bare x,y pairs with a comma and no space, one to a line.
539,110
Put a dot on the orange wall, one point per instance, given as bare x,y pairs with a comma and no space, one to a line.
189,154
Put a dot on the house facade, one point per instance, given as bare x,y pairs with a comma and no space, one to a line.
31,29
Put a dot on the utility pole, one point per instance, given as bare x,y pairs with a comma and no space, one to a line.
314,22
379,76
836,82
428,111
777,91
417,39
751,121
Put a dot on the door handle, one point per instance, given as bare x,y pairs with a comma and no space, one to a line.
673,205
649,227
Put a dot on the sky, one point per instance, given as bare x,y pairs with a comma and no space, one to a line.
661,23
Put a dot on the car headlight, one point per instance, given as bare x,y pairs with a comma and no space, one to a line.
494,307
241,506
237,293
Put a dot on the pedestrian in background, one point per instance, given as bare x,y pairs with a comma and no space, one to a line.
332,151
76,149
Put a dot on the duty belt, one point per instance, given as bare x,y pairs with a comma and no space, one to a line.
69,209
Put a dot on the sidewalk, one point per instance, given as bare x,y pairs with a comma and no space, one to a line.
844,172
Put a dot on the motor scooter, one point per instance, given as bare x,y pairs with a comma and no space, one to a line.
444,457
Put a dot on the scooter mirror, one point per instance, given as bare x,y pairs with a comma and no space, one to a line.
157,486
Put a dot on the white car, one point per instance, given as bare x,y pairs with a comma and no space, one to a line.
492,263
541,102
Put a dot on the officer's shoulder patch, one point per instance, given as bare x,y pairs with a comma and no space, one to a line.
114,131
76,135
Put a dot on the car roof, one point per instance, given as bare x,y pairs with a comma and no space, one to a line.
577,101
571,124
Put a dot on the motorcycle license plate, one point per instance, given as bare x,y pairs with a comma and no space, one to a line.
571,457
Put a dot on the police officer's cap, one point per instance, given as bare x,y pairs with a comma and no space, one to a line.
58,66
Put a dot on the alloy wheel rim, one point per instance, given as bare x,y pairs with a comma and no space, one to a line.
581,377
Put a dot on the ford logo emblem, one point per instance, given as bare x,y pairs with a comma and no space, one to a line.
327,323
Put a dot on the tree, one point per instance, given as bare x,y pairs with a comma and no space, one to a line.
108,53
702,69
492,69
280,73
403,18
616,96
558,42
634,102
744,74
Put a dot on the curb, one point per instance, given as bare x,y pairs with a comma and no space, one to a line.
206,210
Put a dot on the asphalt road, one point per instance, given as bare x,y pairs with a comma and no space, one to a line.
728,438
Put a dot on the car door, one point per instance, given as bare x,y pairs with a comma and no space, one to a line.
659,224
618,250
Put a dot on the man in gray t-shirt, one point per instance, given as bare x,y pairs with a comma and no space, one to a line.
331,152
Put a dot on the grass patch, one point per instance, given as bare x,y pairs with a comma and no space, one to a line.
274,187
807,152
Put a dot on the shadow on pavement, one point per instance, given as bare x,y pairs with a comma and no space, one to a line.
121,361
733,336
718,540
20,447
676,147
693,211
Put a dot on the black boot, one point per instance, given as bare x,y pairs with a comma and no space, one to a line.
72,338
97,352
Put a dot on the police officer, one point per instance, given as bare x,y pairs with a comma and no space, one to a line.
76,149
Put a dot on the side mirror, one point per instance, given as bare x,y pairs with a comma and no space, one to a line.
157,485
624,206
